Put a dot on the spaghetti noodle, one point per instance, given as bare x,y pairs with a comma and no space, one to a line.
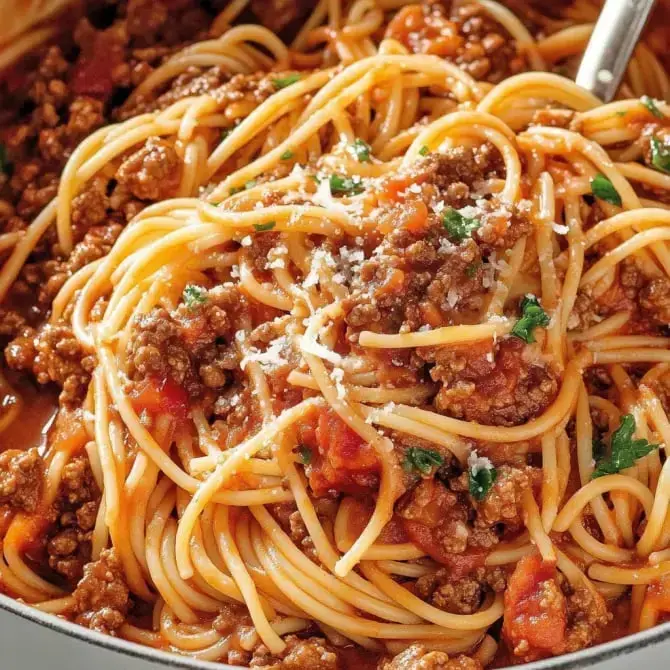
364,349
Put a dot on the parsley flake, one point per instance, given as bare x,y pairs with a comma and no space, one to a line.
660,155
287,155
624,450
305,454
361,150
604,189
262,227
424,150
480,481
458,227
194,296
532,316
651,106
423,460
283,82
345,185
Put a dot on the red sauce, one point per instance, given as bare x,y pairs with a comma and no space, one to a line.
38,411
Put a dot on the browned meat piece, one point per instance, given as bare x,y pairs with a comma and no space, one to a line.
191,345
102,596
463,34
502,503
463,595
417,657
21,479
655,300
54,355
152,172
277,14
313,653
505,385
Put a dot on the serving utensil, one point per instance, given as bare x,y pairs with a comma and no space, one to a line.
611,46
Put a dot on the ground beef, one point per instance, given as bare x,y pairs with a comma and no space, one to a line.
152,172
450,518
76,508
655,300
21,479
463,595
278,14
587,617
463,34
502,503
102,596
291,520
502,384
417,657
313,653
192,344
97,242
53,354
648,300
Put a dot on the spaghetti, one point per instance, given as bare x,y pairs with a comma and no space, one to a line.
378,358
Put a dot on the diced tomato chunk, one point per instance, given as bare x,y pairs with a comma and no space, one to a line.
93,72
535,614
342,460
160,396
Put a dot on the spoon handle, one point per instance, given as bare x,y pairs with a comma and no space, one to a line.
611,45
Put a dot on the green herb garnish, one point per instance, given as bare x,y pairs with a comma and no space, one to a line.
480,481
458,226
603,189
424,150
532,316
423,460
361,150
194,296
262,227
283,82
624,450
345,185
660,155
287,155
305,454
650,104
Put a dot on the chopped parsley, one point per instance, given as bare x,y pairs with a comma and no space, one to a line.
650,104
361,150
660,155
345,185
480,481
532,316
624,450
262,227
471,269
237,189
305,454
621,113
194,296
422,460
458,227
604,189
287,155
283,82
424,150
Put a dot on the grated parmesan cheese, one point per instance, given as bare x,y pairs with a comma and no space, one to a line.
478,463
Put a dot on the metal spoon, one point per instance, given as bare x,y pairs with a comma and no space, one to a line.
612,42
